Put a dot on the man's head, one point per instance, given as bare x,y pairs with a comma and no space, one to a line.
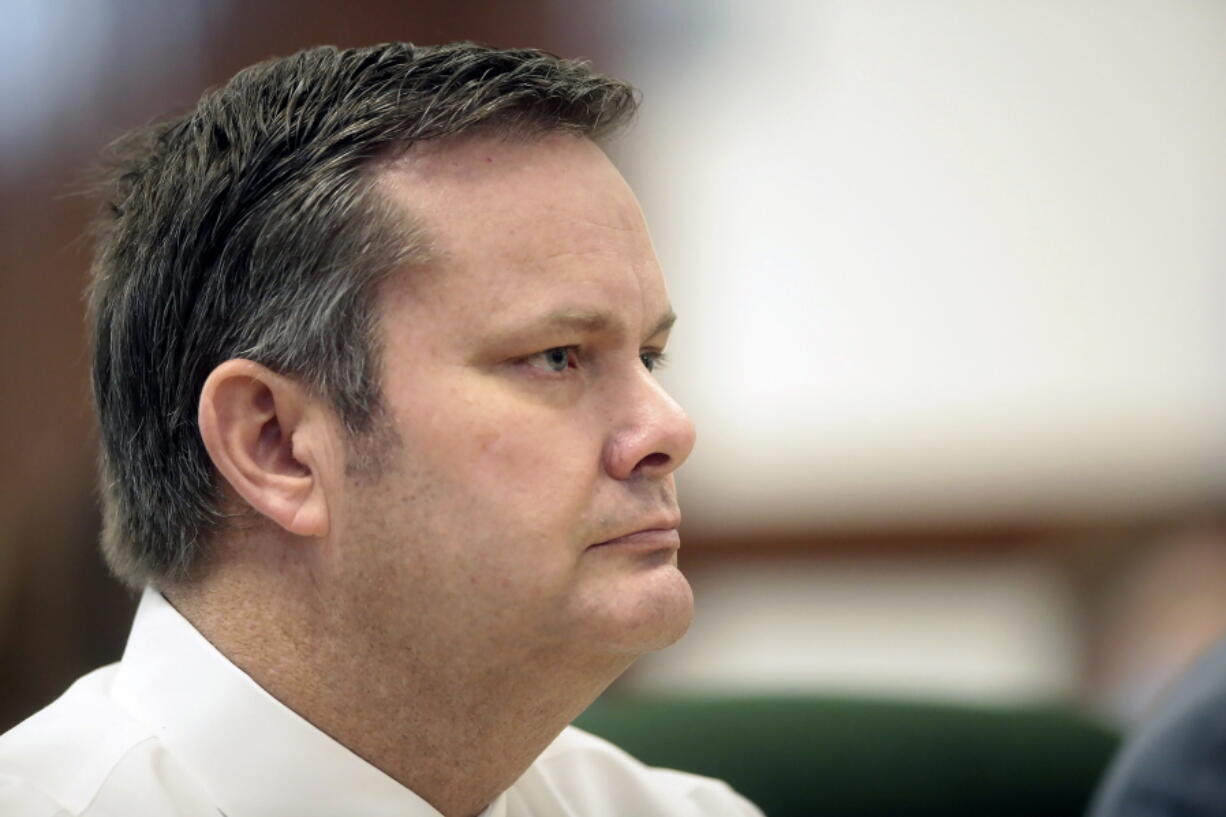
394,298
249,227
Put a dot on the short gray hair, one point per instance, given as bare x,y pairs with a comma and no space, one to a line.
250,227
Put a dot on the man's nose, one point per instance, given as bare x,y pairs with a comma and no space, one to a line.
652,434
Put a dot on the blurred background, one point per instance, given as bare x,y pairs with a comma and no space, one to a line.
953,325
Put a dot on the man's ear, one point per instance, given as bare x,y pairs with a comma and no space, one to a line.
269,439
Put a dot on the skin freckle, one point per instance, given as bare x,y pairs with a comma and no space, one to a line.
488,440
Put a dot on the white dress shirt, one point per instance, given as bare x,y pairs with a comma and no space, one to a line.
176,730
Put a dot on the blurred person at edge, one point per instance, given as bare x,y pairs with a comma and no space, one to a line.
1174,765
373,340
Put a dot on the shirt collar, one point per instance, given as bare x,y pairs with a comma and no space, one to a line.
254,755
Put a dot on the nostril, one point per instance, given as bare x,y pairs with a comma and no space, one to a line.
654,460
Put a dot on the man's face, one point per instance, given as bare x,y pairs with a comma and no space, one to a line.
517,377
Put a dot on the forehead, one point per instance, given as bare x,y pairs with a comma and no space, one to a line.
521,225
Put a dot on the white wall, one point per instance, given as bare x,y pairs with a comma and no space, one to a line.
988,631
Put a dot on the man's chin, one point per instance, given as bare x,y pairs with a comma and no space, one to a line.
647,613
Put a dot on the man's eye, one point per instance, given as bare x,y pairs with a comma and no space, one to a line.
557,359
653,360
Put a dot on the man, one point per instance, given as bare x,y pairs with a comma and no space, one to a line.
374,333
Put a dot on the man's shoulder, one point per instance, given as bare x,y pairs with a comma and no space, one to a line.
592,776
56,761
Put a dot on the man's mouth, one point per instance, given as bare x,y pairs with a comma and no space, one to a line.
656,535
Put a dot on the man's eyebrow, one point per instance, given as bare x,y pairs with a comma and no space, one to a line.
589,320
597,320
664,324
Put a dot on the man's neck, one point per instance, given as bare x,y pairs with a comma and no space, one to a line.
455,726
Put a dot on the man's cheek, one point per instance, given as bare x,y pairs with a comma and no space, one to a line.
531,456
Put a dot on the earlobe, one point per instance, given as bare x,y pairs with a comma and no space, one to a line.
262,433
